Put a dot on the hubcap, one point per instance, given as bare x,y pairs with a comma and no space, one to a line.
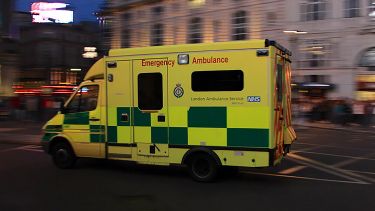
62,155
201,167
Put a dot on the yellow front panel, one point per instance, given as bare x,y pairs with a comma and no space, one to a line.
80,133
82,149
207,136
142,134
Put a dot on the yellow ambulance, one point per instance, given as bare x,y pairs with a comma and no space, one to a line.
204,106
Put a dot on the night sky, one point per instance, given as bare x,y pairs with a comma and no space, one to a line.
83,9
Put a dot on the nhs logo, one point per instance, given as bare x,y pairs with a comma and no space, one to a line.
253,99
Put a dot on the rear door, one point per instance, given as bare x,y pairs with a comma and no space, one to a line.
279,71
150,113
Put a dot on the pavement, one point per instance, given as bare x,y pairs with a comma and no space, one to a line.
327,170
30,132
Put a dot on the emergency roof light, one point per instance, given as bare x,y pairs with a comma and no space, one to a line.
183,58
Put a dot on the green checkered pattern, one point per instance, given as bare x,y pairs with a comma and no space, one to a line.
214,118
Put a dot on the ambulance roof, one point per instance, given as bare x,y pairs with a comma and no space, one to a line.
196,47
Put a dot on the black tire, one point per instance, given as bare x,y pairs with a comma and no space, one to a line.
203,168
63,155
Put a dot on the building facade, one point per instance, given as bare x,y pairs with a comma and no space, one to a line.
8,48
138,23
333,42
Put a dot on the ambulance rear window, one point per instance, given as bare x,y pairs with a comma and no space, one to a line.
222,80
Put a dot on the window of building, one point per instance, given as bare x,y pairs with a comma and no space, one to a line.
126,38
71,77
55,77
371,9
150,91
222,80
157,11
86,99
195,30
126,17
312,10
271,18
217,30
368,58
351,9
126,32
316,53
239,26
157,35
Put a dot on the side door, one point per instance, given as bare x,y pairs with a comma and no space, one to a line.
82,121
119,109
150,113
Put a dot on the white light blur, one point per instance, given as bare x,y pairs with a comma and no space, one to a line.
89,49
90,55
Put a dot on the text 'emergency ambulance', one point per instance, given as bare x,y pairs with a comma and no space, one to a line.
210,60
157,63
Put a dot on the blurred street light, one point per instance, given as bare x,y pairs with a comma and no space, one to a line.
89,52
294,32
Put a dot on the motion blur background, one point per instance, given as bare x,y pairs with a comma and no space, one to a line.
46,49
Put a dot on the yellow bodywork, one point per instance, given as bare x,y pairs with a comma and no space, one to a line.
228,123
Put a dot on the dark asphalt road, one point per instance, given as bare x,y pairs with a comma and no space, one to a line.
328,170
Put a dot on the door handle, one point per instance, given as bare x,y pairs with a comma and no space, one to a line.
94,119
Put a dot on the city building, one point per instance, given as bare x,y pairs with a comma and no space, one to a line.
137,23
52,54
333,46
332,41
8,48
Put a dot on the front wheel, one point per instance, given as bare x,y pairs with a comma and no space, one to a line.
203,168
63,156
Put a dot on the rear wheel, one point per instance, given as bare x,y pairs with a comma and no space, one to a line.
203,168
63,156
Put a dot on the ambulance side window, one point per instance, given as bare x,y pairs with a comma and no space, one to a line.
222,80
150,91
86,99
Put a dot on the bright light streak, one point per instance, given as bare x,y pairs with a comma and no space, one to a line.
90,49
301,32
290,31
316,85
294,32
90,55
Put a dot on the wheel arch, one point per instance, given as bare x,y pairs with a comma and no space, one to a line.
59,139
200,150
